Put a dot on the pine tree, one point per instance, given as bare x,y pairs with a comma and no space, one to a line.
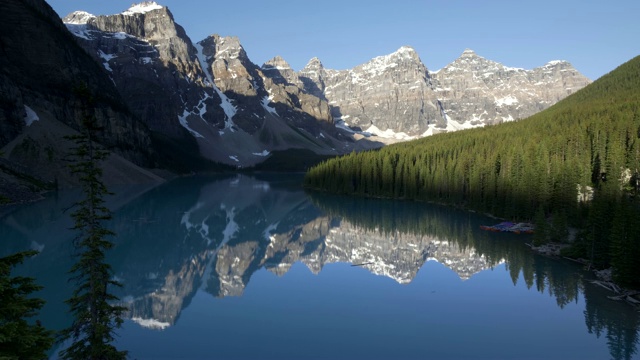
540,236
18,338
625,245
584,141
95,318
559,231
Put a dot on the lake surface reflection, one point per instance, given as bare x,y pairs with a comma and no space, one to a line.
242,267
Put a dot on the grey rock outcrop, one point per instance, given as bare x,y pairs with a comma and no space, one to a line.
285,87
208,93
40,86
210,96
396,93
238,80
474,89
152,62
313,77
389,92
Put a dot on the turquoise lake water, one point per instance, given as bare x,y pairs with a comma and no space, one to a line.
254,267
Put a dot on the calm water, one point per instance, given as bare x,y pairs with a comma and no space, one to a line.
245,267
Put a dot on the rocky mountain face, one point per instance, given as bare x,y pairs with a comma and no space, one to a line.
150,59
475,90
208,92
238,113
163,99
397,96
41,100
390,92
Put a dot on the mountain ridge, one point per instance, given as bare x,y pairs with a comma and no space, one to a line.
445,99
412,101
40,86
187,105
222,99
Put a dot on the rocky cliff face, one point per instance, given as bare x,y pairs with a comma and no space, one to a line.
390,92
211,94
152,62
285,87
475,90
40,100
208,99
208,92
396,96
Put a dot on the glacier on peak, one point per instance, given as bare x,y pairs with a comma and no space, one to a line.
142,8
556,62
404,52
405,49
78,18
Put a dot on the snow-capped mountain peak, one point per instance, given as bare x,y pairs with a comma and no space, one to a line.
78,18
219,92
405,50
314,62
277,63
468,53
391,62
553,63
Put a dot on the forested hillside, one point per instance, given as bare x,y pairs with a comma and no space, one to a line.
577,162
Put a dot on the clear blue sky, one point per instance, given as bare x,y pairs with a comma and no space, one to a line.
595,36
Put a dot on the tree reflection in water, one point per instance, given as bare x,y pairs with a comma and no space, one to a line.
214,233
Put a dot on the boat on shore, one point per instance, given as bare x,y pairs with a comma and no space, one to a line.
507,226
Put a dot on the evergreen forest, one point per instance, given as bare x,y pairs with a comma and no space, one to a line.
574,165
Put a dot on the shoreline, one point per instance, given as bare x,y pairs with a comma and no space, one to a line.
604,277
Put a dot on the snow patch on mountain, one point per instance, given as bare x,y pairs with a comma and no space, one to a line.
226,104
507,100
106,58
452,125
265,104
79,30
30,116
183,121
263,153
341,124
388,134
142,8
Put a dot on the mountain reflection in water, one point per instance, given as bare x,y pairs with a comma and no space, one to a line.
213,234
